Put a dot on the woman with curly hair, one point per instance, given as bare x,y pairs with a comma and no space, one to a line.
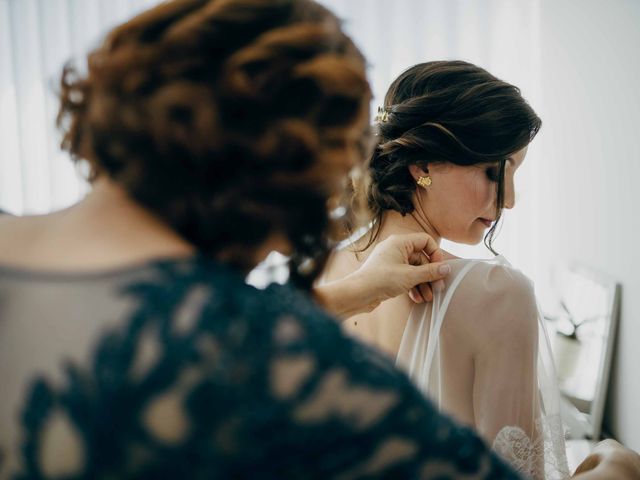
131,346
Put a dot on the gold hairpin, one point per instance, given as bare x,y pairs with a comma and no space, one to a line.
382,115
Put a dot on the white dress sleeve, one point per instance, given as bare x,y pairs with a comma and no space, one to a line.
515,398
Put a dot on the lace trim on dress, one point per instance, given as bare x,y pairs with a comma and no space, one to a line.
539,458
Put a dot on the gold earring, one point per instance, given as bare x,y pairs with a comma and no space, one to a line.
424,182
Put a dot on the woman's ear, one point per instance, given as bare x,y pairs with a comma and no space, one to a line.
417,172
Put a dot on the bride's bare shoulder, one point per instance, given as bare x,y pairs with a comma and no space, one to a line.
493,298
488,279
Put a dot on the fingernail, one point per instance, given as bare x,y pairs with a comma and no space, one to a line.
415,297
438,286
444,269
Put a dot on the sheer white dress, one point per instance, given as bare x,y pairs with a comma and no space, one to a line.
514,395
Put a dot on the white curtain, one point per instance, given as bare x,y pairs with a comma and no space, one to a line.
38,36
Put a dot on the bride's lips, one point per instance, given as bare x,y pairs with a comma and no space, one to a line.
486,222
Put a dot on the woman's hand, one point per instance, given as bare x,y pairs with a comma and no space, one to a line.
401,264
609,460
397,265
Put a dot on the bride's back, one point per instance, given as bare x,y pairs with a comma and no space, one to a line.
490,304
384,325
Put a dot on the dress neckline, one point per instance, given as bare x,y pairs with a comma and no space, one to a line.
27,273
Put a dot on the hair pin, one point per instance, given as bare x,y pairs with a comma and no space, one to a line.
382,115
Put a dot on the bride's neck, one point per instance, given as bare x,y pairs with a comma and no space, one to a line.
395,223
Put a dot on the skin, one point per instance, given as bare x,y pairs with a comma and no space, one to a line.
460,204
609,460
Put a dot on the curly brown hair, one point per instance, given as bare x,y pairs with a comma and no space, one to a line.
443,111
228,119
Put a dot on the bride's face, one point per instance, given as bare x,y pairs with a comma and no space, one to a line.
460,203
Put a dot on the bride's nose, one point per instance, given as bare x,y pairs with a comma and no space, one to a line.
509,193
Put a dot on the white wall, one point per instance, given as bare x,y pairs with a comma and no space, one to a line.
590,165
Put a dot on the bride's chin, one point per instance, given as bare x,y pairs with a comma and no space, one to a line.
474,238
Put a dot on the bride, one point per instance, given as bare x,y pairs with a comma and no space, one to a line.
450,139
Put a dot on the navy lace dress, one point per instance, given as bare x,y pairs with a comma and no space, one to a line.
198,376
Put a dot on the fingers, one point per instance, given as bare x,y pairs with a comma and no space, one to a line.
419,250
423,249
611,458
417,258
415,296
423,244
421,293
416,242
422,276
589,463
429,272
438,256
425,291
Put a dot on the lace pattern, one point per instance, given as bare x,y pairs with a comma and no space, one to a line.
541,458
210,378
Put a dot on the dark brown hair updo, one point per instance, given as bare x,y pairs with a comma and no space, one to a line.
228,119
445,111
